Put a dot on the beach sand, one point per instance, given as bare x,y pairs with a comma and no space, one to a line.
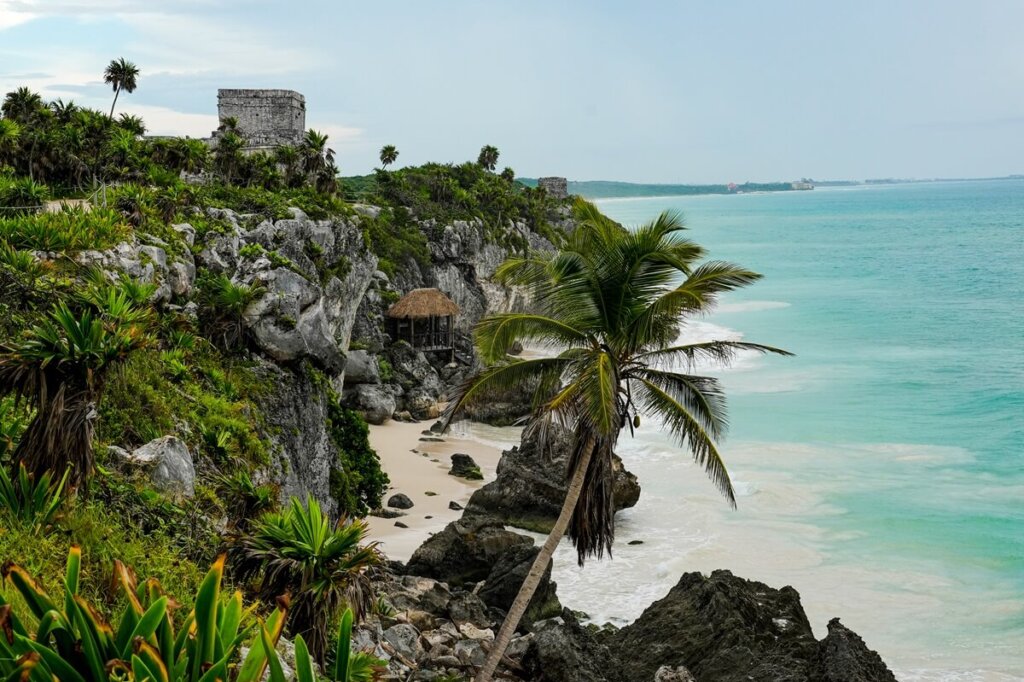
417,473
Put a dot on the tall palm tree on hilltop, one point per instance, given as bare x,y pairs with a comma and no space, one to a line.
488,157
388,155
120,74
613,302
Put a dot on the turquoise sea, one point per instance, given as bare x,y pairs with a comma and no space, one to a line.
881,470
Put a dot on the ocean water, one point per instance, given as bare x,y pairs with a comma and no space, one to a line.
881,470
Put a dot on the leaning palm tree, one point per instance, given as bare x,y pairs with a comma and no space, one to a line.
488,157
60,368
120,74
613,303
388,155
322,566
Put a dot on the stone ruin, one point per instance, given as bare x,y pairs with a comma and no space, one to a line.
266,118
554,186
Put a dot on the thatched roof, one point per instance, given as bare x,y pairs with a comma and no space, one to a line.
423,303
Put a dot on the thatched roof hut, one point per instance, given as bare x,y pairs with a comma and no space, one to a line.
423,303
426,319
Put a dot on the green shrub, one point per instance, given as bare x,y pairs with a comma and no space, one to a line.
70,229
358,483
29,502
321,564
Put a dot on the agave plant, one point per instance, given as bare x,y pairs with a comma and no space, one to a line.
323,567
227,301
60,367
30,501
72,641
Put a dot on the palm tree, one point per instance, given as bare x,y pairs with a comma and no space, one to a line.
21,105
298,551
10,132
64,111
60,368
488,157
388,155
613,302
316,155
120,74
133,124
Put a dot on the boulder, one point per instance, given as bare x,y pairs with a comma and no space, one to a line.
376,403
465,551
405,640
562,651
844,657
728,629
169,465
506,577
361,368
400,501
529,488
464,466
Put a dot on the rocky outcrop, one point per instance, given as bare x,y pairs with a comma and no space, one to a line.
465,551
296,411
153,261
844,657
563,651
313,275
530,488
723,628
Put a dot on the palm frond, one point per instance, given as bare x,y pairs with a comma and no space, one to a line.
495,334
690,434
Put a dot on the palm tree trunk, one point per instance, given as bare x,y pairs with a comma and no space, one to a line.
540,565
114,103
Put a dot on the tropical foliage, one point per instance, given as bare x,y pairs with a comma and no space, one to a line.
60,367
613,304
69,639
322,565
28,501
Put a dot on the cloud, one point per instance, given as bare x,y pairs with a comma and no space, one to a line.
166,121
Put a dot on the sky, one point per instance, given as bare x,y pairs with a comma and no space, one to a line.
636,91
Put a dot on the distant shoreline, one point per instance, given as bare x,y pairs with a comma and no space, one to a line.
611,189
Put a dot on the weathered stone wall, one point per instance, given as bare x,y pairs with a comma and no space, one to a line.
554,186
266,118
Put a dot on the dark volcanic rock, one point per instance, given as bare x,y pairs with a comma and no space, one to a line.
400,501
562,651
529,489
843,657
464,466
465,551
503,583
727,629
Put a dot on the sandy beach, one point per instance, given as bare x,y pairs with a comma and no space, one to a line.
419,469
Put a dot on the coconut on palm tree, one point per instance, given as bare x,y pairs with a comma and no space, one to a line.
388,155
612,303
488,157
120,74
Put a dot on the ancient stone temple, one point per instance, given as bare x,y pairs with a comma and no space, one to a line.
554,186
266,118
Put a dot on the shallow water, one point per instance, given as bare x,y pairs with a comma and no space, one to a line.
881,471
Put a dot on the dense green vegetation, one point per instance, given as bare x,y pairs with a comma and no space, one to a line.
93,365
